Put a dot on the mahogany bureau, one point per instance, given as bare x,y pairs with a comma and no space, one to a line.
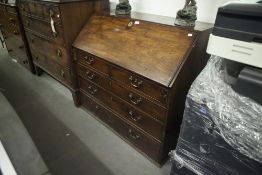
134,75
13,34
51,26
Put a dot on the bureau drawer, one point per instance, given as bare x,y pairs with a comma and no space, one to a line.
125,130
88,74
41,10
92,61
57,71
138,83
139,101
44,29
99,111
51,50
138,118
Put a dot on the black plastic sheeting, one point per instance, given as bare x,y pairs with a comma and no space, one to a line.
221,132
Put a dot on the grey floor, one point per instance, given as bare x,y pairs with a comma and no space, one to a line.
70,141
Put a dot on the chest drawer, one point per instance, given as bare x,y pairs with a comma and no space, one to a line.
44,29
140,84
49,49
93,76
125,130
94,62
156,111
7,9
45,11
59,72
129,113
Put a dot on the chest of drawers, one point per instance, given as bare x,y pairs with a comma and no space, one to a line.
51,26
134,76
14,36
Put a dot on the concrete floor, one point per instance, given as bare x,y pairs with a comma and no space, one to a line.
70,141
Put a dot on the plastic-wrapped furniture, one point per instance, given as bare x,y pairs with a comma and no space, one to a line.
221,131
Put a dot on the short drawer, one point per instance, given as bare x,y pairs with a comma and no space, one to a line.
141,84
147,145
88,74
95,108
44,29
144,104
93,61
129,113
41,10
49,49
59,72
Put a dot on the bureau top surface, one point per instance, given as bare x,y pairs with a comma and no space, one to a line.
152,50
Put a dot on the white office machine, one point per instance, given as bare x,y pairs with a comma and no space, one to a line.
237,37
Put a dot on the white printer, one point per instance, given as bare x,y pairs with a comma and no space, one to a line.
237,37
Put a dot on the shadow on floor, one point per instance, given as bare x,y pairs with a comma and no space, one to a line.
63,152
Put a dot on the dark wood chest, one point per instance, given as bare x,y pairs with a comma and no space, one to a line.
51,26
14,36
134,76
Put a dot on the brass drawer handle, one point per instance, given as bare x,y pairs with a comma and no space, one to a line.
90,75
135,82
52,22
89,60
133,117
62,74
16,32
134,101
133,135
92,90
11,20
59,53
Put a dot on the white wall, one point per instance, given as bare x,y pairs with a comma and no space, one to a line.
207,9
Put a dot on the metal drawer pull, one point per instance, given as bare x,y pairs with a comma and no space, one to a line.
133,135
16,32
133,117
52,22
92,91
59,53
89,60
12,20
62,74
135,82
90,75
135,102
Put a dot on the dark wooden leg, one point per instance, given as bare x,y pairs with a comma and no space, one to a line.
38,71
76,98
